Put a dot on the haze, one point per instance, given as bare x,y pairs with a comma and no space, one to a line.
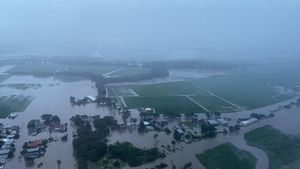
173,27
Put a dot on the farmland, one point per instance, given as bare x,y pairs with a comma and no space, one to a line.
281,148
13,103
226,93
214,104
245,92
174,104
227,156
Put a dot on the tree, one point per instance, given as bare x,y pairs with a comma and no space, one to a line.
58,162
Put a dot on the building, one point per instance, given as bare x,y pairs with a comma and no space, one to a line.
212,122
248,122
91,98
222,122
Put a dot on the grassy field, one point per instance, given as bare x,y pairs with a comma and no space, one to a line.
173,104
120,91
243,91
281,148
214,104
13,103
167,89
227,156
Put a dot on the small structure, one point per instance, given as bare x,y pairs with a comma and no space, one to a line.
222,122
35,143
13,115
91,98
248,122
146,123
212,122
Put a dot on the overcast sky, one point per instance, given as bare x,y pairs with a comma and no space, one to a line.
200,27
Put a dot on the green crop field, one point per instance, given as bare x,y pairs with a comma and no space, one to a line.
120,91
227,156
281,148
243,91
168,89
214,104
13,103
173,104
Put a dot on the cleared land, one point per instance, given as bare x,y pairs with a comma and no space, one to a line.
227,156
13,103
167,104
281,148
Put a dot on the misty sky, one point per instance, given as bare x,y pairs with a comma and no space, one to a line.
251,26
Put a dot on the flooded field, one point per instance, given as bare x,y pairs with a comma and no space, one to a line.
53,97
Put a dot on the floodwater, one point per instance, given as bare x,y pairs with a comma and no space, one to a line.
53,97
176,75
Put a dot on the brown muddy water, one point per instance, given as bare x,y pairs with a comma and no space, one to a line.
53,97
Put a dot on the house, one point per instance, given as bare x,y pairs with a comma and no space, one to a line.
4,151
35,143
248,122
31,150
146,123
150,128
222,122
91,98
59,128
212,122
13,115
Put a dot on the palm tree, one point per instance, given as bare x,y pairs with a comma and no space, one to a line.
58,163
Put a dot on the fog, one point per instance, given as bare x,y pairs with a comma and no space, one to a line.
169,28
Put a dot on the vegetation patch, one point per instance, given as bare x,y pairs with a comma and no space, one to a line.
13,103
281,148
168,104
132,155
167,89
227,156
90,146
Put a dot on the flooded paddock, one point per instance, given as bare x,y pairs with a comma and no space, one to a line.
53,97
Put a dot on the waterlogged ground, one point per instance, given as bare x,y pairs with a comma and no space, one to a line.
53,97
